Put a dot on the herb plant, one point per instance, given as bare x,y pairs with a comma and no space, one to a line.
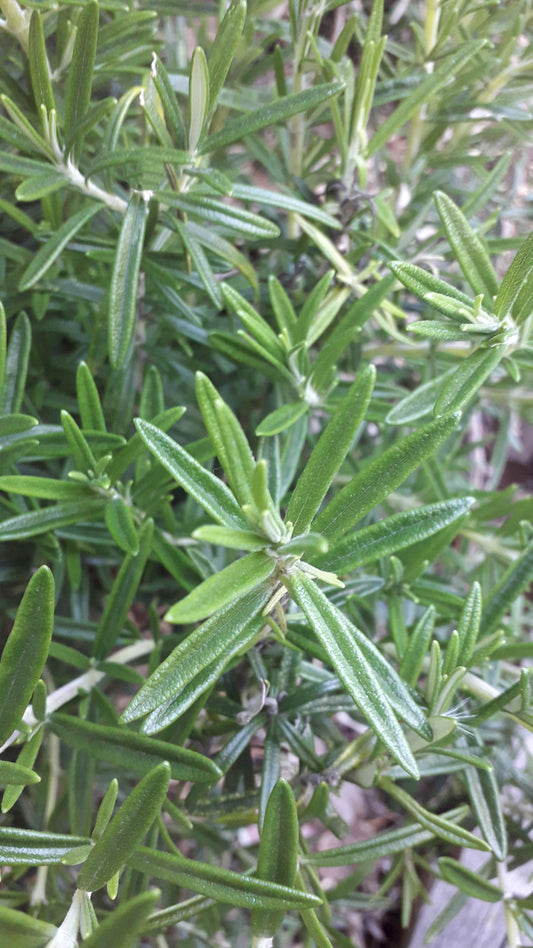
265,355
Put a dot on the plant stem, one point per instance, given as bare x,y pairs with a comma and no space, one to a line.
81,685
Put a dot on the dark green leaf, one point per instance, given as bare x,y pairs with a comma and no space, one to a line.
220,884
80,74
210,642
471,883
26,650
330,451
136,752
50,251
278,111
124,281
126,830
278,852
123,593
381,477
208,491
334,632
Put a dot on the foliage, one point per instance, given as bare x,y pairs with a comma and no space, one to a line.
263,356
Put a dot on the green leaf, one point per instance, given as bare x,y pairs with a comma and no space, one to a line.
16,774
20,930
283,308
471,883
198,98
221,884
50,518
49,252
47,488
26,759
485,798
281,418
377,847
83,456
228,439
386,472
24,847
419,402
415,653
222,588
422,92
335,633
201,263
234,539
273,113
278,852
392,534
223,49
132,751
330,451
213,210
39,69
124,281
121,525
514,581
208,491
129,825
135,447
123,593
210,642
92,416
80,74
284,202
16,365
438,825
26,650
254,323
469,624
468,248
41,185
515,296
422,283
13,424
123,926
167,96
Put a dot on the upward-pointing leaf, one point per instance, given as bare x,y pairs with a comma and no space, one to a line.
381,477
223,49
468,248
330,451
80,75
126,830
335,634
515,296
278,852
229,440
39,69
26,649
124,281
198,97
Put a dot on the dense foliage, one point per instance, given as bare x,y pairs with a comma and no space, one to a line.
265,355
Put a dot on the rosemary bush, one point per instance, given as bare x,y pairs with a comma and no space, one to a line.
264,356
